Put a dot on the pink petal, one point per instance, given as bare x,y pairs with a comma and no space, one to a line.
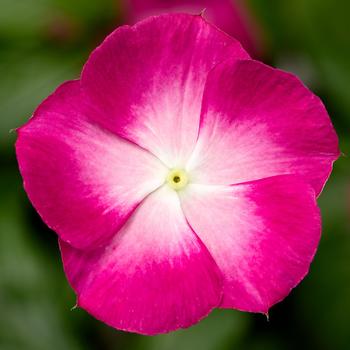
153,277
148,81
258,122
263,236
83,180
232,16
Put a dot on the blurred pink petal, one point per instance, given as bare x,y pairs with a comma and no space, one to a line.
232,16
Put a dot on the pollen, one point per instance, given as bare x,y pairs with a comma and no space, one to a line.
177,179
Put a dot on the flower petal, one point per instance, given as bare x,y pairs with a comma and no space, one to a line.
153,277
259,122
232,16
148,81
263,236
83,180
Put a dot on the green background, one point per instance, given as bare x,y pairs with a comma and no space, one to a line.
45,42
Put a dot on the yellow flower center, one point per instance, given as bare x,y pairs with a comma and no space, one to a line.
177,179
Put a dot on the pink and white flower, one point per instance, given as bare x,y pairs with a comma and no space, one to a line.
179,175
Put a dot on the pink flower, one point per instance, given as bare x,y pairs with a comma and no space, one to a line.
232,16
179,175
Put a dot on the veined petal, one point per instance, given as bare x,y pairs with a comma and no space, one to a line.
148,81
153,277
83,180
263,235
259,122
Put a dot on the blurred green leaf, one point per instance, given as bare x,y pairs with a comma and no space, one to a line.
221,330
32,311
30,21
26,79
319,30
324,302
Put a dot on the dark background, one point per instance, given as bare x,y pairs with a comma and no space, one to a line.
45,42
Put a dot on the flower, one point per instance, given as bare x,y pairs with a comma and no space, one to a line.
232,16
179,175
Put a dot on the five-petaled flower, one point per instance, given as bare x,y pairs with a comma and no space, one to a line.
179,175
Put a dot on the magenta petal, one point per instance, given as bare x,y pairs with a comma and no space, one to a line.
263,235
77,175
258,122
153,277
148,80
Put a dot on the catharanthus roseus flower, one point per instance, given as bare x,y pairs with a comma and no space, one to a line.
179,175
232,16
